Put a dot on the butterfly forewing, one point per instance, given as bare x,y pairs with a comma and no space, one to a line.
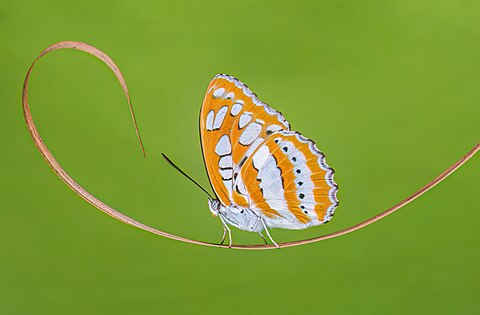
253,159
233,122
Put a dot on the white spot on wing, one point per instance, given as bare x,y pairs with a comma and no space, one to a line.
236,108
228,185
250,133
249,152
226,174
271,183
241,186
255,100
230,96
223,146
273,128
219,93
301,170
244,119
220,117
225,161
209,122
260,157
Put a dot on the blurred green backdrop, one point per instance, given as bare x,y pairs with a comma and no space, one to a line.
388,89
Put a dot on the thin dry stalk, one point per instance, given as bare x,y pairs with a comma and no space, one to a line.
52,162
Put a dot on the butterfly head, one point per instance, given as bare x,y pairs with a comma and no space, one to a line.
214,206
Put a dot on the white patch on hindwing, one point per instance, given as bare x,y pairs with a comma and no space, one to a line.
303,183
260,157
328,176
272,185
324,166
270,178
240,185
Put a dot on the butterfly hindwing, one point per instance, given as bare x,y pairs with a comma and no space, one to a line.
289,183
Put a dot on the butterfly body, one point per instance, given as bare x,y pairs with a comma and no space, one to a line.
263,173
242,218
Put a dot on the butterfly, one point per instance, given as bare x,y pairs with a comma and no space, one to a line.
264,174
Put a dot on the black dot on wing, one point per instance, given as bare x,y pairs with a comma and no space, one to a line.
300,183
301,196
306,212
269,132
299,171
294,159
302,206
276,140
285,149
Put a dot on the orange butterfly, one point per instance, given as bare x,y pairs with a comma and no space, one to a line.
263,174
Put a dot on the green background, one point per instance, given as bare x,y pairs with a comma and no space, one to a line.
389,90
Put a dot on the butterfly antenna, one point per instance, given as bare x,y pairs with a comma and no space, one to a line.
185,174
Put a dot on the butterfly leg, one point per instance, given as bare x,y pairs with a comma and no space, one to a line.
268,233
263,237
226,228
224,234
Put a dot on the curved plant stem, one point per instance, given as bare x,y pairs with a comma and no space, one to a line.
57,168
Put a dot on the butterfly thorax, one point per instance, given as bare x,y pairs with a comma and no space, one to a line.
241,218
